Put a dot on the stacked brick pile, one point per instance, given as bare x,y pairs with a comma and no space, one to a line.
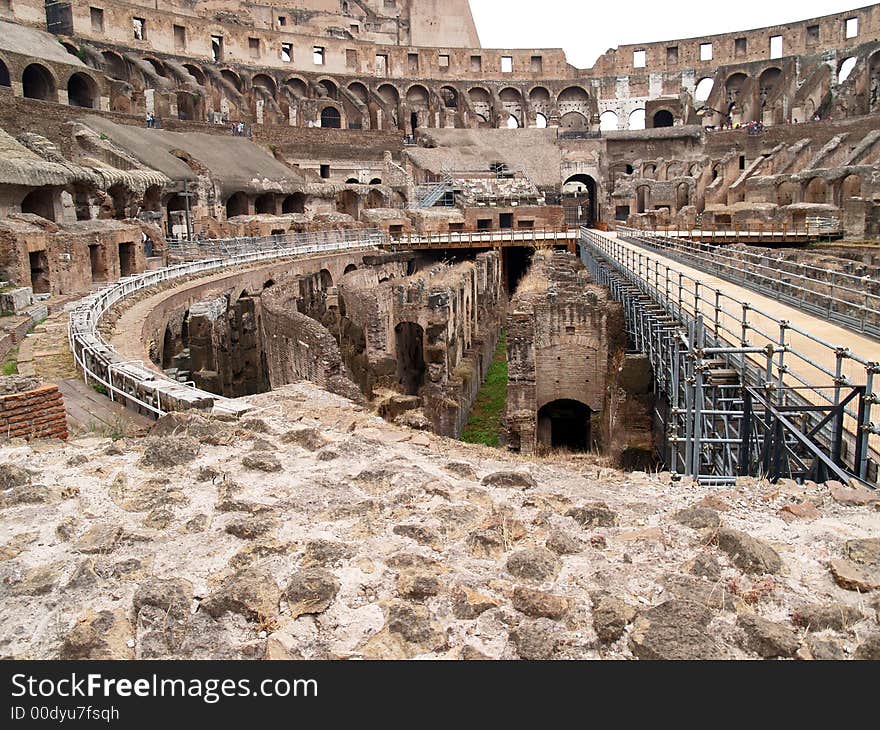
30,410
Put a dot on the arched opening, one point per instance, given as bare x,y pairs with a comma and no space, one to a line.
121,196
329,88
449,97
512,122
359,91
851,187
409,340
168,348
636,119
540,121
82,91
232,78
389,94
682,195
816,191
196,73
575,121
376,181
733,85
186,105
262,81
704,89
663,118
265,204
297,87
564,424
375,199
352,181
608,121
330,118
785,193
539,95
846,68
349,269
37,83
237,204
295,203
326,279
158,66
114,66
579,200
4,75
40,202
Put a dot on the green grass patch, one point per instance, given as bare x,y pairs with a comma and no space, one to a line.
9,366
484,424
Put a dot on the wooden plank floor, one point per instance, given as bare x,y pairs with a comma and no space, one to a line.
90,412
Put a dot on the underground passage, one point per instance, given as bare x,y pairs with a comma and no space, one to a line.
564,424
409,338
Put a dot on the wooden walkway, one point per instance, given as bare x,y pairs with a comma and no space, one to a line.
45,354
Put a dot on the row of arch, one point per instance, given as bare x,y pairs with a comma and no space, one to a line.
636,120
38,82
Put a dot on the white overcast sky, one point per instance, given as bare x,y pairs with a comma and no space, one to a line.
585,29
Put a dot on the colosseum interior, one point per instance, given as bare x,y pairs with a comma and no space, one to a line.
302,293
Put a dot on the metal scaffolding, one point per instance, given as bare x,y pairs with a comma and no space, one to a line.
728,401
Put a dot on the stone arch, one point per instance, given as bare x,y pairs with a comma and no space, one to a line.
682,195
848,187
115,66
541,121
573,94
41,202
663,118
38,83
733,85
845,68
82,90
264,81
574,121
348,202
389,94
417,96
609,121
326,279
4,74
375,199
816,190
539,95
331,118
579,200
352,181
636,119
359,91
197,73
449,96
564,424
703,89
157,65
330,88
265,204
237,204
295,203
188,103
349,269
297,87
232,78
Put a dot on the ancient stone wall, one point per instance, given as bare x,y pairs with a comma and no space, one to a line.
564,337
30,410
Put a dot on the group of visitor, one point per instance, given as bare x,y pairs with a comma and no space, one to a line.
151,121
238,129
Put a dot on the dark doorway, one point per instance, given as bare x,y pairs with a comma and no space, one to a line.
414,121
330,118
505,220
515,263
98,265
39,272
127,265
409,338
236,205
579,201
37,83
40,202
564,424
663,118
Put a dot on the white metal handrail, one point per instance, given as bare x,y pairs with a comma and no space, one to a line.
141,387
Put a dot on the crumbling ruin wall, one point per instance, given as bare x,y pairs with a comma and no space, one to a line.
565,340
428,338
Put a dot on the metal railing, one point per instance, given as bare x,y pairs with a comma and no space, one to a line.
847,299
812,227
790,364
487,238
135,384
189,250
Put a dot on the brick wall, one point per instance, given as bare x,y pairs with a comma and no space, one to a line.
36,413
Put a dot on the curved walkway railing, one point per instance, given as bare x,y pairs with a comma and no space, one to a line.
847,299
135,384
